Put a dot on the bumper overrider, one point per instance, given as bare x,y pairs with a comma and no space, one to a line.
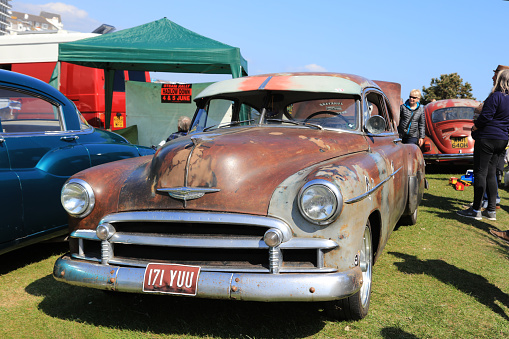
262,274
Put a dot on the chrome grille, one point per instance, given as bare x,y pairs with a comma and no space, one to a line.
213,241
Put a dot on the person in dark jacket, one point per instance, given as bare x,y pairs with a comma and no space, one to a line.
183,125
411,120
491,133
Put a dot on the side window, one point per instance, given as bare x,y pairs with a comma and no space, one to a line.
216,112
21,113
375,105
390,116
221,113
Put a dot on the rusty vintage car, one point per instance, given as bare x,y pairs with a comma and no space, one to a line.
448,131
287,188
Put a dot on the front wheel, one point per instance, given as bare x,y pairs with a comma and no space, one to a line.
356,306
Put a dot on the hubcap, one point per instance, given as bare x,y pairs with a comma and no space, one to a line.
366,264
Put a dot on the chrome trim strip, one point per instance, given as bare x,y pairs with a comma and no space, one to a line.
368,193
459,156
143,263
199,217
53,133
219,285
205,242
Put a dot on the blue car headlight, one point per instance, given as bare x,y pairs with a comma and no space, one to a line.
320,202
77,198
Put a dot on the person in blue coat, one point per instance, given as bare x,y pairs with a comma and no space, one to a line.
491,133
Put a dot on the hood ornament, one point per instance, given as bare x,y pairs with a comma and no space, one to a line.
187,193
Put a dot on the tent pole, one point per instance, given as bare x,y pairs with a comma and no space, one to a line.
109,77
55,76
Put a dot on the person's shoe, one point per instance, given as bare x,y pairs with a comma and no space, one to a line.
472,204
470,213
489,215
468,205
501,235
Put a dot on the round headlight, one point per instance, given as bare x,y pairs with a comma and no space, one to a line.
320,202
77,197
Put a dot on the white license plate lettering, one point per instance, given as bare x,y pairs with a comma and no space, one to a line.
170,278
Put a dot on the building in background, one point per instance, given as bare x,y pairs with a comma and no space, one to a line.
22,23
5,14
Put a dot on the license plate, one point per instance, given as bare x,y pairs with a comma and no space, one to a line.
459,142
171,278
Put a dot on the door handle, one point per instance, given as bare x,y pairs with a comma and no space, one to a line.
69,138
397,140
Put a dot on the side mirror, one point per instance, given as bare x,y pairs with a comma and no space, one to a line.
375,124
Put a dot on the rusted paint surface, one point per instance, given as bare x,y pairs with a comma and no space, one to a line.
219,161
350,174
107,181
393,92
254,174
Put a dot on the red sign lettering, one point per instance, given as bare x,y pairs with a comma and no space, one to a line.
176,93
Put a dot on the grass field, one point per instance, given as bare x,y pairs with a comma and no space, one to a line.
445,277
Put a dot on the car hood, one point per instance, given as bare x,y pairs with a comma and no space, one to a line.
244,165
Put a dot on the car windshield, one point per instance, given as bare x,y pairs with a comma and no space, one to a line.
339,112
452,113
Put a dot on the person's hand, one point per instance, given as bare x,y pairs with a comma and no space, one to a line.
473,128
421,141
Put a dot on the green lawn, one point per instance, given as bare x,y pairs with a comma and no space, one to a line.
445,277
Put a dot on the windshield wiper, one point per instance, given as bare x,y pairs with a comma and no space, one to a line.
293,122
227,124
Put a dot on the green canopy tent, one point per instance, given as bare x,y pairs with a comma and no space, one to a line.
159,46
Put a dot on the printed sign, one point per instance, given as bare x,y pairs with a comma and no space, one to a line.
118,122
176,93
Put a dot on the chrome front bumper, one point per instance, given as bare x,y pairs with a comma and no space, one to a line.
218,285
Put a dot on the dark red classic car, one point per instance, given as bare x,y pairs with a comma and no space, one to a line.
448,128
287,188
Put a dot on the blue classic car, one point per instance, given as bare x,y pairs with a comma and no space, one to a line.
43,141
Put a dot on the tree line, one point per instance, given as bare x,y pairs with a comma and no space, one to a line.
448,86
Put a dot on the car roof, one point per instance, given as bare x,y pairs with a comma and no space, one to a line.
302,82
432,106
25,82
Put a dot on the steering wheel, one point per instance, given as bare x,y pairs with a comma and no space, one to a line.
330,113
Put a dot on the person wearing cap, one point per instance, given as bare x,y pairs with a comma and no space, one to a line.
491,134
412,126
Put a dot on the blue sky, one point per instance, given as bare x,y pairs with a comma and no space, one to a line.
408,42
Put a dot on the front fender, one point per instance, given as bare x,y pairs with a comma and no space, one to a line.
350,177
65,161
103,153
